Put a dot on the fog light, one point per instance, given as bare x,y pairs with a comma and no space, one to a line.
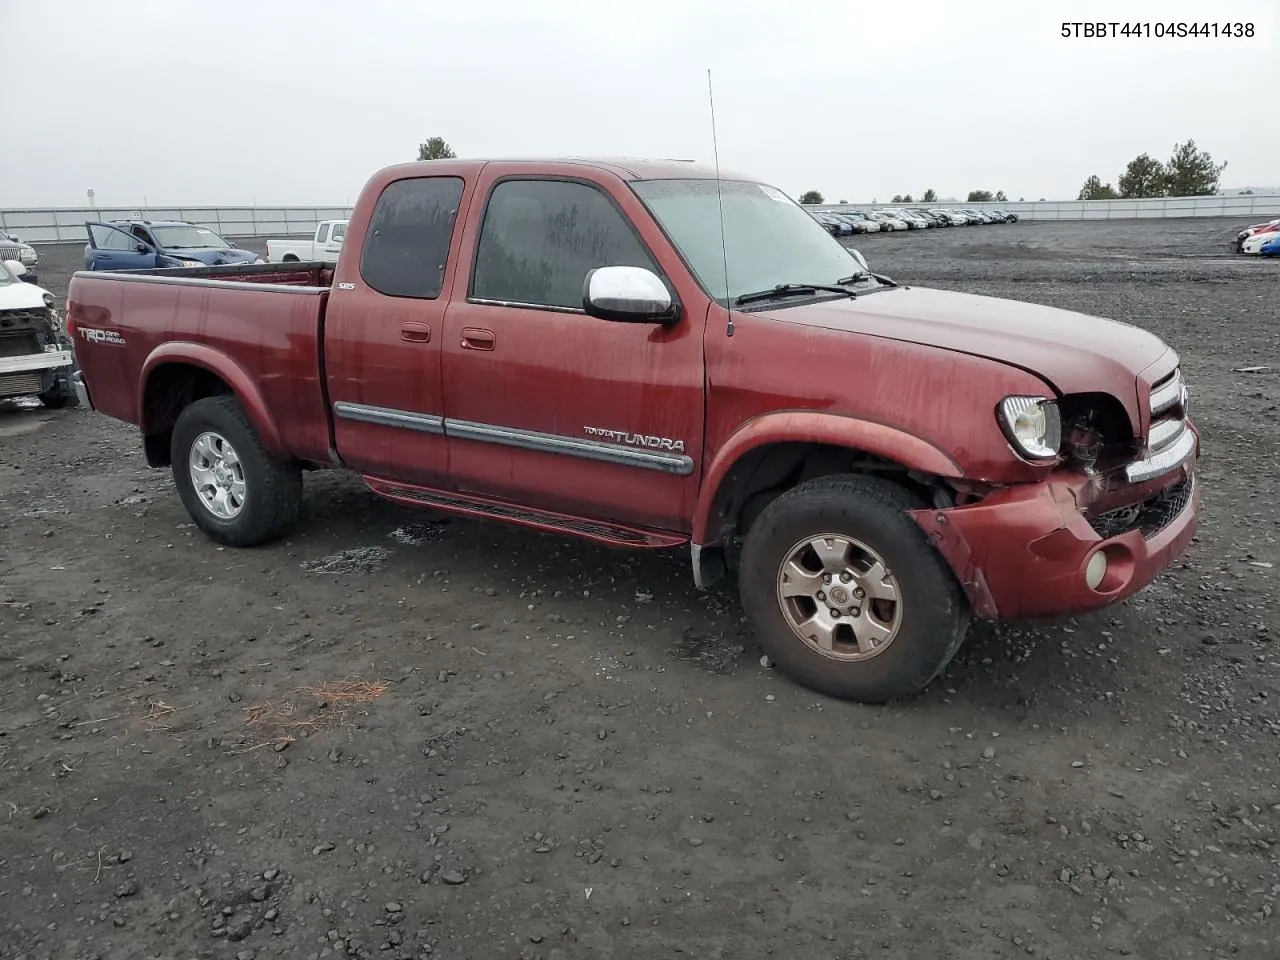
1095,570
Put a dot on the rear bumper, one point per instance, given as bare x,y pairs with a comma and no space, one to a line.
1024,550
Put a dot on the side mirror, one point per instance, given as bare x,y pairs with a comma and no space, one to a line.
143,248
628,295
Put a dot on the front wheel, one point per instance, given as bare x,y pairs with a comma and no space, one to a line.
846,594
235,492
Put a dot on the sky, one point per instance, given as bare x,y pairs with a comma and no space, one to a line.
300,101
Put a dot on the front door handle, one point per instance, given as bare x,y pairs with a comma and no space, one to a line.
416,332
473,338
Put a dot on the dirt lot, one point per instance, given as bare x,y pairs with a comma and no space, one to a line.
394,735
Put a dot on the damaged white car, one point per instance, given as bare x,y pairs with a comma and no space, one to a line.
36,358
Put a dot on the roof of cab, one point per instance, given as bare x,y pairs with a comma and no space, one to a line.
627,168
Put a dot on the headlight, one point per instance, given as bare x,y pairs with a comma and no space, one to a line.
1033,425
190,263
27,254
48,300
258,260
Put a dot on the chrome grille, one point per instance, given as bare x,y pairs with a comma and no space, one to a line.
9,252
1168,412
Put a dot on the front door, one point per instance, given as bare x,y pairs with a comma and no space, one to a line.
111,248
546,406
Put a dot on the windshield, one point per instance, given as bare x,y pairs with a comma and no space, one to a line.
188,237
768,238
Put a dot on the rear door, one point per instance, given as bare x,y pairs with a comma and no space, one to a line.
383,332
111,248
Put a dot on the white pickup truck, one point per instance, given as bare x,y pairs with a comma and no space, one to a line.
324,247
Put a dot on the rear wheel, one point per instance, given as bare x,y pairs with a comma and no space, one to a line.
235,492
845,592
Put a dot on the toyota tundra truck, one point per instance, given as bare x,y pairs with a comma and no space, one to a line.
655,355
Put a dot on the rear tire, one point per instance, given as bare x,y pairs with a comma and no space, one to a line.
235,492
61,394
879,649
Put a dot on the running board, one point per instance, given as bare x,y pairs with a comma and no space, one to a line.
470,506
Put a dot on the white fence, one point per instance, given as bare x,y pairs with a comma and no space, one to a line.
66,224
1251,207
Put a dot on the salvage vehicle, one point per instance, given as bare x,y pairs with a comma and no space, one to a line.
888,222
36,358
658,355
836,226
1271,248
1253,243
147,244
11,248
1271,226
324,246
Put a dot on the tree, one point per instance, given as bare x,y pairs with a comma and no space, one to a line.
897,198
435,149
1000,197
929,196
1095,189
979,196
1143,177
811,196
844,201
907,198
1191,172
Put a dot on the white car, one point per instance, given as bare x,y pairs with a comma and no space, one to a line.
1253,245
324,247
35,355
889,223
912,220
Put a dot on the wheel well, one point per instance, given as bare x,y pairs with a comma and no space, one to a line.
765,473
290,258
170,389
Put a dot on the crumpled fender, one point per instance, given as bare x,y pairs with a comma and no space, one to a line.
223,366
809,426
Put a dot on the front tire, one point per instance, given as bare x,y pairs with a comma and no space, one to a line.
846,594
235,492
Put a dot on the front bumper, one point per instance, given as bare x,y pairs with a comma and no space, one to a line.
1023,551
49,360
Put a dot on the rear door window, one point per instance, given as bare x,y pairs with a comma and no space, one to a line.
407,242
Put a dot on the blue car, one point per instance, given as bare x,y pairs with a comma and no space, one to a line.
1271,248
147,244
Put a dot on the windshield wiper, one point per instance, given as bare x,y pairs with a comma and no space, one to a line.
868,275
791,290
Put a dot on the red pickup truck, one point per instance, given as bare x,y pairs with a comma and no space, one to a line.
649,355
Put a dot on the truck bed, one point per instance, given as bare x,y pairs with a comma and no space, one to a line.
254,327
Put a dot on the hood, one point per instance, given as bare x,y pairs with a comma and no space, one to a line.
19,295
1073,352
214,258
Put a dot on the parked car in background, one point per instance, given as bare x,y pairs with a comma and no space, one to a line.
998,216
869,225
976,214
1249,231
887,222
1253,244
934,219
1271,248
36,359
911,220
323,246
953,217
11,248
857,224
569,346
835,227
148,244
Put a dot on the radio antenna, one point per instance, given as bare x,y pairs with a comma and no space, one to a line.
715,146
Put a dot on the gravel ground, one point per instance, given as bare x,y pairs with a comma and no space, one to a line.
402,736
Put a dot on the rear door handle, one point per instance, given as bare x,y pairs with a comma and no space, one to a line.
417,332
473,338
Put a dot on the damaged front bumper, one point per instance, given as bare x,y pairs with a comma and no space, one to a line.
1070,544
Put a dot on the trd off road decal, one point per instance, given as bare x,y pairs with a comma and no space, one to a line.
101,336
